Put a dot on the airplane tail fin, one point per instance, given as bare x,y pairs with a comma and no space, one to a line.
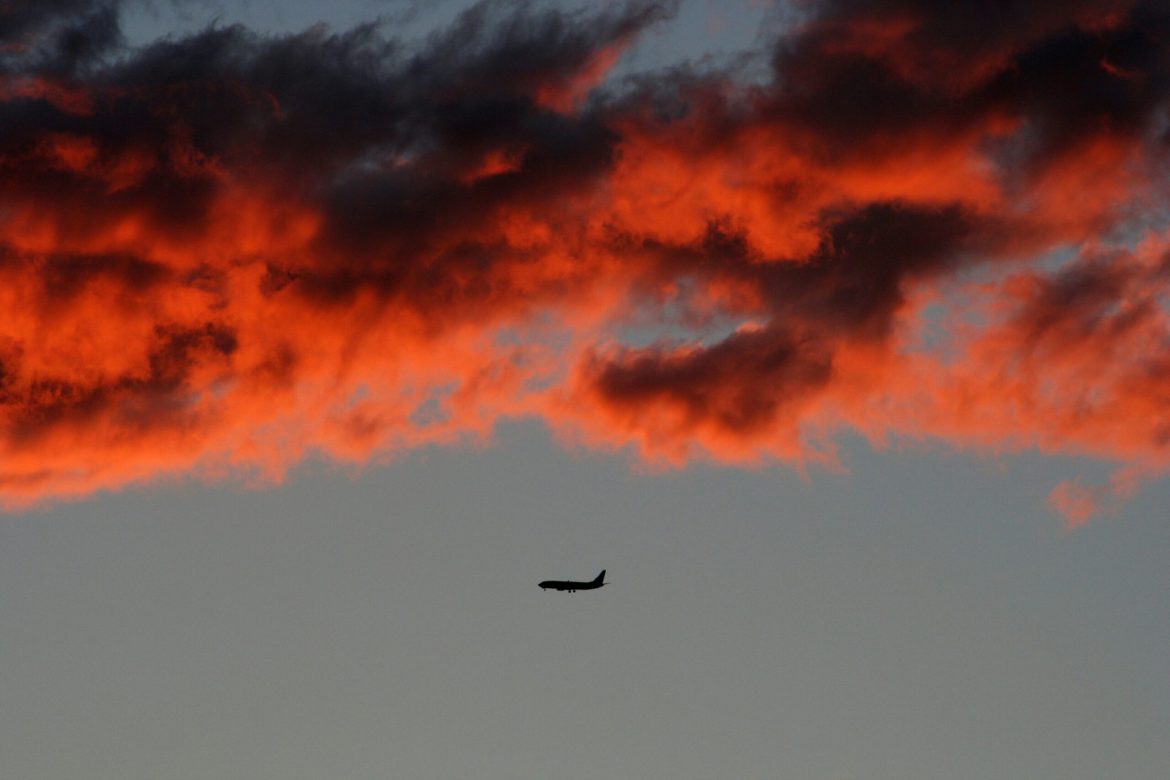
600,579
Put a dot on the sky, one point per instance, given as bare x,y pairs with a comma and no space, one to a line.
836,332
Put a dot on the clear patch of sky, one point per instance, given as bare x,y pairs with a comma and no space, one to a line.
910,620
707,34
704,33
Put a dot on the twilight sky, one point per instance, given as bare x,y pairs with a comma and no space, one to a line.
838,332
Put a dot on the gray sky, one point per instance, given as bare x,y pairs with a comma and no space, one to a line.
759,625
921,615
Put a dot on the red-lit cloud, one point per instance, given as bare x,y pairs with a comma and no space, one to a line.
223,252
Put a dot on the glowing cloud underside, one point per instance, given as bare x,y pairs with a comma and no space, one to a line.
226,251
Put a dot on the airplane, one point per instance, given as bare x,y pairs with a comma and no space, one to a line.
573,587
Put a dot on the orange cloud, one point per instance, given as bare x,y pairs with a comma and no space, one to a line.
213,263
1075,502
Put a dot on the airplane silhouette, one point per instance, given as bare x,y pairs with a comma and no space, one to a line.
573,587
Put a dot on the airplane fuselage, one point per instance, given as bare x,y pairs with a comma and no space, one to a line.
569,585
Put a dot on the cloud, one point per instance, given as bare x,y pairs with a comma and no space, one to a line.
224,251
1075,502
1079,503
